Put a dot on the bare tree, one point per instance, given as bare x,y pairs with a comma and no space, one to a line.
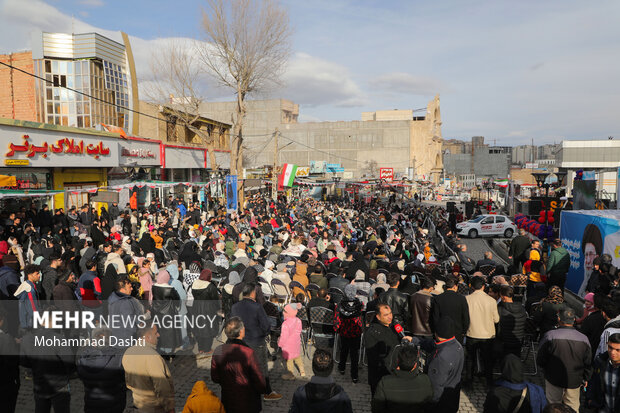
178,87
248,44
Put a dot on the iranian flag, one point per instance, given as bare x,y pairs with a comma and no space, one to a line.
287,177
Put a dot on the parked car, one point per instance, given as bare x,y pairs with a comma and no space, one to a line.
484,225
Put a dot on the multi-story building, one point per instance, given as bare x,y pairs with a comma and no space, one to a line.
82,80
396,139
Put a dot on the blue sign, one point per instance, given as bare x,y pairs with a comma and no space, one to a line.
333,165
334,170
587,235
231,192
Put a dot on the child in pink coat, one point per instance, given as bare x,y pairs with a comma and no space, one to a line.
290,342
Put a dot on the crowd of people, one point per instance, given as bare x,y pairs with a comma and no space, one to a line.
385,284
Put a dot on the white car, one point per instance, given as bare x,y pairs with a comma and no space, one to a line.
487,225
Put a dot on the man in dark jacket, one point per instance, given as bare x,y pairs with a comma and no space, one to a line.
64,292
603,392
114,212
512,394
398,301
406,389
420,306
566,356
50,277
235,367
101,371
46,219
51,366
451,304
9,365
557,265
9,283
518,246
257,327
512,317
322,394
380,340
445,367
122,304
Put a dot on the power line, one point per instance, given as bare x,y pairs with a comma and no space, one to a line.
108,103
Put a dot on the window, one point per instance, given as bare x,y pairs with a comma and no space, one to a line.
48,66
488,220
499,219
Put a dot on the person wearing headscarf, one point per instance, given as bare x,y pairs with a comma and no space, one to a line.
227,292
188,254
348,326
250,275
290,342
166,302
173,270
146,279
546,314
108,283
143,228
512,394
206,304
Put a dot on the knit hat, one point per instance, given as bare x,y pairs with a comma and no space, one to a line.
11,261
589,297
350,291
360,275
445,328
401,265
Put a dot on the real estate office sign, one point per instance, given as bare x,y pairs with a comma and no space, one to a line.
23,146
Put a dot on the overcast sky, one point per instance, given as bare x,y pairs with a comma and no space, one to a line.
509,71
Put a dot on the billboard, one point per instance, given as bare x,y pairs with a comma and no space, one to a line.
302,171
318,167
584,194
386,173
587,235
231,192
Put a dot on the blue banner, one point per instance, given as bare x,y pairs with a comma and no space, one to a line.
231,192
587,235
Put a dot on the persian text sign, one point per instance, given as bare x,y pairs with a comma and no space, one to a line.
49,148
386,173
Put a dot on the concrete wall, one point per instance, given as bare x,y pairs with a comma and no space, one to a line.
487,164
392,143
457,164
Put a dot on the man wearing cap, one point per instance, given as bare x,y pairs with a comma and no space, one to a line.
566,357
445,366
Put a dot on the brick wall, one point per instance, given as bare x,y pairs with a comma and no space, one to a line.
17,100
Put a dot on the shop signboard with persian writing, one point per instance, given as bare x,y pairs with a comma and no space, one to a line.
48,148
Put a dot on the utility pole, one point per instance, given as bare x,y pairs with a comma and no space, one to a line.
274,174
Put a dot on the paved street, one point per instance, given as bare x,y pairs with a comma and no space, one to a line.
186,370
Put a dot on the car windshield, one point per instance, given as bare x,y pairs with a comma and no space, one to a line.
477,219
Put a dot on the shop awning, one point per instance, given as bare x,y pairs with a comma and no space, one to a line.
10,193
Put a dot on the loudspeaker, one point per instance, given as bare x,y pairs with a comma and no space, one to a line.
469,209
534,207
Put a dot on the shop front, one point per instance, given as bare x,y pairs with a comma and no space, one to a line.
189,164
57,158
138,160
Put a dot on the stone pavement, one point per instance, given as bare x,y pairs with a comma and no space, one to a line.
187,369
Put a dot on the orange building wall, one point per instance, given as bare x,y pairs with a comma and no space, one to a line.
17,99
